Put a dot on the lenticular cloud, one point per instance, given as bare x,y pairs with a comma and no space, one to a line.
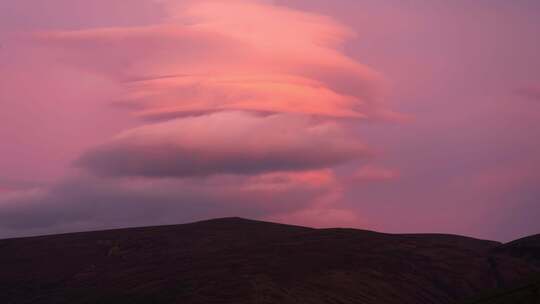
277,74
228,142
228,55
241,107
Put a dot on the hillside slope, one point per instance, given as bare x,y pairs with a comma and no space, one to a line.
235,260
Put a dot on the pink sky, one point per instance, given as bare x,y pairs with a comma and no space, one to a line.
388,115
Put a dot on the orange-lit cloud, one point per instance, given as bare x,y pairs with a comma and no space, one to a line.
229,55
283,65
326,209
240,90
471,82
242,106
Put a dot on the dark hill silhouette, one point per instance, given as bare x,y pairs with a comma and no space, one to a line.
235,260
525,248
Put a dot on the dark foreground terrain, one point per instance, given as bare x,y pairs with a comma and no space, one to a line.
235,260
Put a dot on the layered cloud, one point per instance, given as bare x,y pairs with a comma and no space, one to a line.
226,143
236,87
228,55
242,108
177,110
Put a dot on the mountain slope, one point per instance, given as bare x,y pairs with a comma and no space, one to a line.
235,260
527,292
525,248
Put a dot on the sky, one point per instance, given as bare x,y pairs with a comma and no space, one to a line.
398,116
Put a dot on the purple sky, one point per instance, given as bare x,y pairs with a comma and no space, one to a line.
397,116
